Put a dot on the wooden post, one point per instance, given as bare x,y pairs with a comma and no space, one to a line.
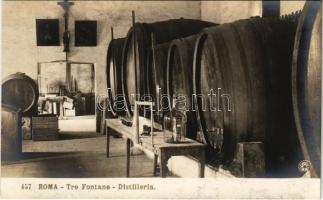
152,124
154,65
39,77
155,164
163,154
251,157
108,140
61,109
136,115
134,48
128,157
112,36
202,163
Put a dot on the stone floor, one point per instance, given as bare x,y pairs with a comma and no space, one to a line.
80,152
74,135
79,165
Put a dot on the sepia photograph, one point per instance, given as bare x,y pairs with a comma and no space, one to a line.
161,99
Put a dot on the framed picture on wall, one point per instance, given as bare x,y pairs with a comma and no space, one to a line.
47,32
85,33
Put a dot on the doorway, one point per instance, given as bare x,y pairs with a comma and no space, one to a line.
67,92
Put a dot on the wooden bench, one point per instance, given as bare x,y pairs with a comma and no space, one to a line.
160,148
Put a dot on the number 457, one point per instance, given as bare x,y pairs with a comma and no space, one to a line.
26,186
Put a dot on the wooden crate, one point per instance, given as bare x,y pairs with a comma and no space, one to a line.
44,128
50,122
43,134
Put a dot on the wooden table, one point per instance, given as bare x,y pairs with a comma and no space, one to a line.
160,148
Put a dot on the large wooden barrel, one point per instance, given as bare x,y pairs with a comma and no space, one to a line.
306,83
180,79
139,41
20,91
247,66
11,133
113,75
156,79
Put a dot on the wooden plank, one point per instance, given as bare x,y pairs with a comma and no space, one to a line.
116,125
129,132
145,103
